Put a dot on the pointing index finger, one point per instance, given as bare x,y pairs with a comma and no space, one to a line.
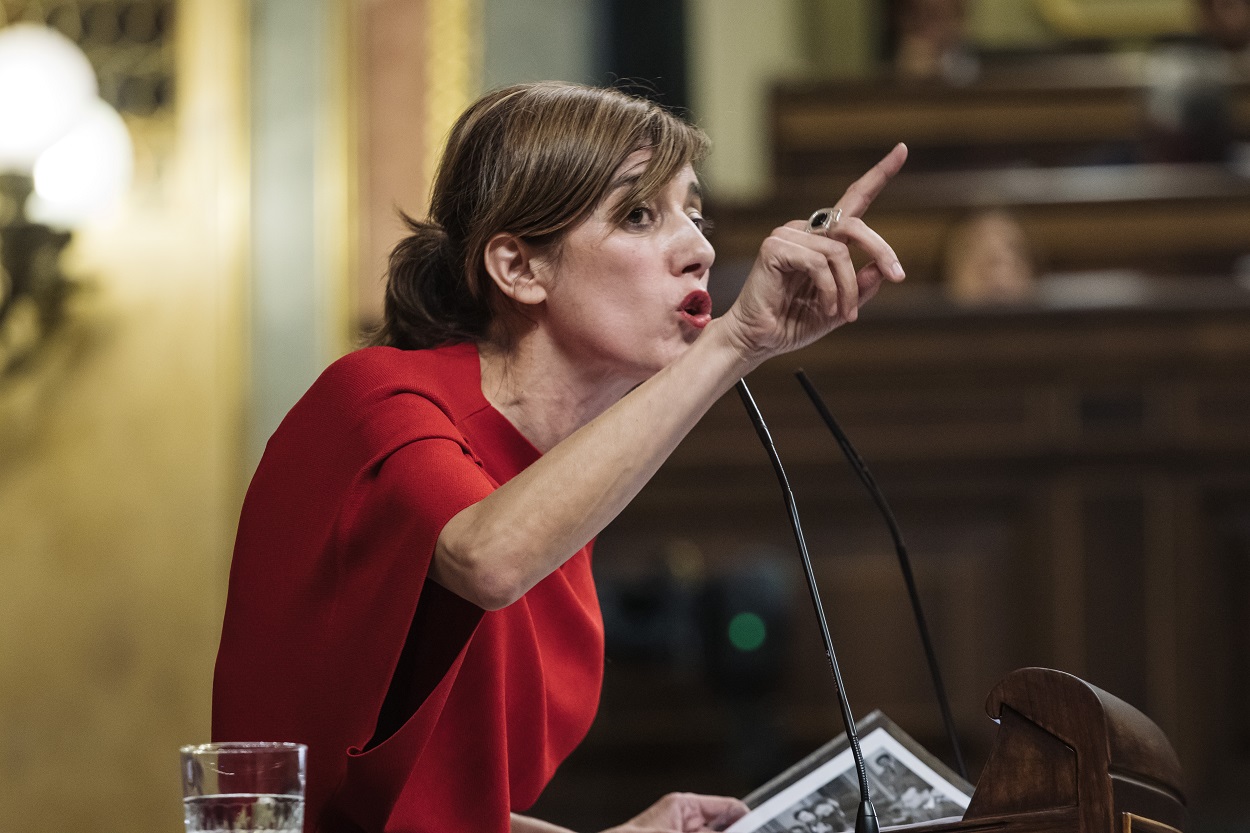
865,189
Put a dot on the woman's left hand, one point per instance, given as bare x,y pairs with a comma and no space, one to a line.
685,813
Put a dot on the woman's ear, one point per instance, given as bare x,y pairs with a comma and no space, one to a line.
510,262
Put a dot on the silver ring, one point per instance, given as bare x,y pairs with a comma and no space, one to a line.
823,219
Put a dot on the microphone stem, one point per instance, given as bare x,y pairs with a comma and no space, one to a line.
866,820
865,476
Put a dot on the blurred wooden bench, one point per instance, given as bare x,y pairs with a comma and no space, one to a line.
1047,111
1158,218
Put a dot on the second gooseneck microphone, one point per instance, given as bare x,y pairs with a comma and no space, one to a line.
866,817
904,562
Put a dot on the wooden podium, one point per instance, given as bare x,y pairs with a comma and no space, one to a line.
1069,757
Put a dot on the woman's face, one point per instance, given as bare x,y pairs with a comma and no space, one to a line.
627,298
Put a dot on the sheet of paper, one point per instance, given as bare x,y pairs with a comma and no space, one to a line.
905,790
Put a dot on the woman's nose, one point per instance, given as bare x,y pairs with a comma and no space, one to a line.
694,251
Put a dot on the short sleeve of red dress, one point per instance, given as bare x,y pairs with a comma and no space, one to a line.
421,711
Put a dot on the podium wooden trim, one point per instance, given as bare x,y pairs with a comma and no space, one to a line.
1070,757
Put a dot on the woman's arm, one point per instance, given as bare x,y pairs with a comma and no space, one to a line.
800,288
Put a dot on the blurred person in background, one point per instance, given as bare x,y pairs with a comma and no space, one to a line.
927,41
1189,87
987,260
1227,23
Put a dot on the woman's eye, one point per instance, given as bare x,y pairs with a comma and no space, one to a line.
702,223
640,216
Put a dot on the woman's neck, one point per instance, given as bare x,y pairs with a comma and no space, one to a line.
541,392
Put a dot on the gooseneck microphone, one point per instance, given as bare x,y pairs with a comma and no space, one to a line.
866,817
904,562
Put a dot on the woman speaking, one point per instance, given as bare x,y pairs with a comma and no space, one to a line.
411,591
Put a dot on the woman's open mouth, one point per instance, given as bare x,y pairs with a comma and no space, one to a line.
696,309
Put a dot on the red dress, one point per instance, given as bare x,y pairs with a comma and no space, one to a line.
421,711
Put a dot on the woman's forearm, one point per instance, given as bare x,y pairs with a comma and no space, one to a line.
494,551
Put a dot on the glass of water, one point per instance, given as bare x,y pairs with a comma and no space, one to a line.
229,787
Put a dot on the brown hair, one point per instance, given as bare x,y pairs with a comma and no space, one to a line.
532,160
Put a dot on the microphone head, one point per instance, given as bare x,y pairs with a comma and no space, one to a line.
866,818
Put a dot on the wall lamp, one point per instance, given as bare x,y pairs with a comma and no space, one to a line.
65,155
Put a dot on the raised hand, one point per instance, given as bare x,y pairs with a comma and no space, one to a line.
805,284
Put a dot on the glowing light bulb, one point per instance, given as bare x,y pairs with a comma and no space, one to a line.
45,82
85,171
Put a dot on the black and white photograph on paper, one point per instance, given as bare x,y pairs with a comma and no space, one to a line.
820,794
